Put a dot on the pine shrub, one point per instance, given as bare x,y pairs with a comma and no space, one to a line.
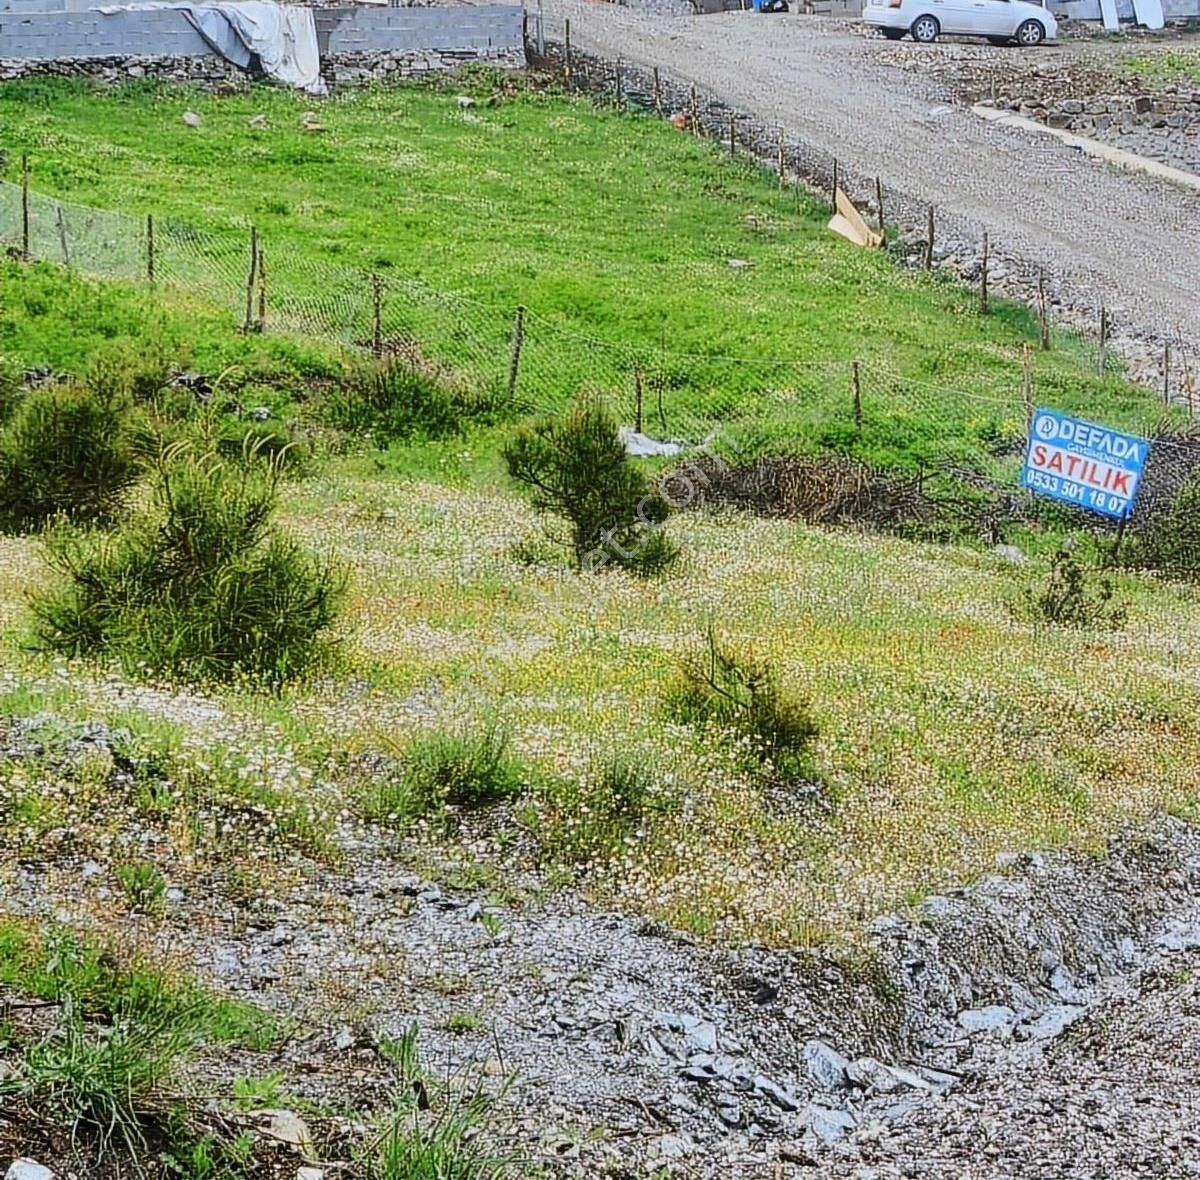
199,584
65,450
576,467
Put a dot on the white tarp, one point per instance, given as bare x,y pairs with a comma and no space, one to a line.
282,36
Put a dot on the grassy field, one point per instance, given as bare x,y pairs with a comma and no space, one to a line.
949,731
616,232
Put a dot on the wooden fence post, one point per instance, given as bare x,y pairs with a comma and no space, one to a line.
1167,373
62,236
25,207
879,206
1100,354
150,248
1027,387
834,192
983,278
858,409
637,393
262,293
567,57
518,338
781,157
250,279
658,104
732,133
1043,311
695,113
376,315
929,228
620,95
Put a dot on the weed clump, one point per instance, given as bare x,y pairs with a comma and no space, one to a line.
740,694
445,770
65,451
1071,595
396,400
199,584
576,467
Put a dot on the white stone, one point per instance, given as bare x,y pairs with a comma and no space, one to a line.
27,1169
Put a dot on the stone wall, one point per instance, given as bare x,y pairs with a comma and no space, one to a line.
399,41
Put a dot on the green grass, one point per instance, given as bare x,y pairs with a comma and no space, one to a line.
612,226
1183,66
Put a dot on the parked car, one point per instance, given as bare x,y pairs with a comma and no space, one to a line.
1000,21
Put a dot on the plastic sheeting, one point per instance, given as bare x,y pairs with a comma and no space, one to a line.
283,37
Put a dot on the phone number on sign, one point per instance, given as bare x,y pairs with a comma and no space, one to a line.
1067,489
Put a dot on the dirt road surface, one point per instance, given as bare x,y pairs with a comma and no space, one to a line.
1121,238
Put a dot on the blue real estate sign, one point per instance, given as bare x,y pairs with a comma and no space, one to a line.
1084,464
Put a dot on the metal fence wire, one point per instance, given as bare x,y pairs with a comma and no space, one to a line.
536,361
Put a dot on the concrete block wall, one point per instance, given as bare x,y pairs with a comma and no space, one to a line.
458,28
461,29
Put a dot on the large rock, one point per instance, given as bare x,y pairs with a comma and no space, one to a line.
825,1065
27,1169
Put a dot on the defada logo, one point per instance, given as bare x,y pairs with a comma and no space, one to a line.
1046,427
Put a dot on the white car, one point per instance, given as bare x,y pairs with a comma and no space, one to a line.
1000,21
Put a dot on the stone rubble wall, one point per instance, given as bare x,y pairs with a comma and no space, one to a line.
356,43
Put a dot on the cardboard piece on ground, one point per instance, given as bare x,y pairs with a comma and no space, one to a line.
849,223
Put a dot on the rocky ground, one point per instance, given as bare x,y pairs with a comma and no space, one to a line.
1041,1023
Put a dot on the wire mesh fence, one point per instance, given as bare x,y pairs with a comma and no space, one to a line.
537,361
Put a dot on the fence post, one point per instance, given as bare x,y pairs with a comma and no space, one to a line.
262,293
25,208
1043,311
929,241
732,134
834,190
879,206
1027,387
858,410
1100,357
518,338
62,236
695,113
150,248
1167,373
376,315
567,54
637,393
658,105
250,279
781,157
620,95
541,35
983,277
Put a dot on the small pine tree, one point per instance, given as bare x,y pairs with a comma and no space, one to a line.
577,468
199,584
65,450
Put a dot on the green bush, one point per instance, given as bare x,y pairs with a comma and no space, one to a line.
394,400
577,467
199,584
739,694
68,451
1071,595
118,370
447,770
1169,541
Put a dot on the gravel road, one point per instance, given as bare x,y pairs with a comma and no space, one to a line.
1103,235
